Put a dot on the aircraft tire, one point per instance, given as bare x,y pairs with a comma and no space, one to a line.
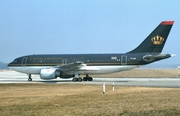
90,79
29,79
79,79
85,79
75,79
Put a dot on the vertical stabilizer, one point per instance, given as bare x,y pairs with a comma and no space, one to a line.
156,40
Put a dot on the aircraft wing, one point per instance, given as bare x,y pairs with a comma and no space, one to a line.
150,58
76,66
85,68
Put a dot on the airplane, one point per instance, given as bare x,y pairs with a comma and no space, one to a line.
51,66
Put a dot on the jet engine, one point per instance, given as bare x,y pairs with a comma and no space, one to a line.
49,73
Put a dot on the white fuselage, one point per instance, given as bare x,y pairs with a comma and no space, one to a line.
93,69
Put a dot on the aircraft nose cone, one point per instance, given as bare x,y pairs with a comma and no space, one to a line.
9,64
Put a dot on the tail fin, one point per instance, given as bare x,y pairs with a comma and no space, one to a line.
156,40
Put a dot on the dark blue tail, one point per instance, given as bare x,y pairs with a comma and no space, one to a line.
156,40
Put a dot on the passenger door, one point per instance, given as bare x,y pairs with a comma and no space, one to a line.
124,60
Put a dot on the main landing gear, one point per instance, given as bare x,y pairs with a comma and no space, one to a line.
29,79
75,79
87,78
79,79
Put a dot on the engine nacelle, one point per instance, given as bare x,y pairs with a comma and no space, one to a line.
49,73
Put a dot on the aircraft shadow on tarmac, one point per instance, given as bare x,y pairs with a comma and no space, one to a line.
65,81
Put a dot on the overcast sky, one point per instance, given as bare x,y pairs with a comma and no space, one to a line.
84,26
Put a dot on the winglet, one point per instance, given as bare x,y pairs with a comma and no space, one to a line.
167,23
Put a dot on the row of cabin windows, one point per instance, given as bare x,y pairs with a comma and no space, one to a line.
101,60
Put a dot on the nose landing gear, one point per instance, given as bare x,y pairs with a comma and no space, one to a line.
29,77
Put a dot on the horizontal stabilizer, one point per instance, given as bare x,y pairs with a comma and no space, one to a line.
173,54
150,58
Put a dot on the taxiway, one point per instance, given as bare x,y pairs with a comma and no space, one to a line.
15,77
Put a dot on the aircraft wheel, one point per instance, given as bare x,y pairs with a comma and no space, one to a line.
90,79
29,79
79,79
75,79
85,79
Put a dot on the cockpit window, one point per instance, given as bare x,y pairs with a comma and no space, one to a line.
15,61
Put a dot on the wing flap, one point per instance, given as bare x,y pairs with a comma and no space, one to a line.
86,68
77,66
70,66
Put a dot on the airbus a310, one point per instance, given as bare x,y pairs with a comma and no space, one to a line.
73,65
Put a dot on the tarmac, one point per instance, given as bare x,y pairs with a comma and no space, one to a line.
10,77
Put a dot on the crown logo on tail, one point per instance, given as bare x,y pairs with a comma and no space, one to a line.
157,40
